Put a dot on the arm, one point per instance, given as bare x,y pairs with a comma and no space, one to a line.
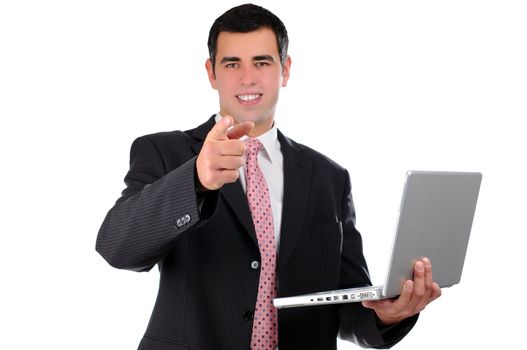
154,210
157,207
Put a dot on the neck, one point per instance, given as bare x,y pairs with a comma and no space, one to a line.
261,128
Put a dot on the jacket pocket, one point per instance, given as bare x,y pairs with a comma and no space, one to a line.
153,343
328,229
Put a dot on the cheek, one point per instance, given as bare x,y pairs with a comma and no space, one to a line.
224,88
273,84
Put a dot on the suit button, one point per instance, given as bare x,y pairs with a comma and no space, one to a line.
255,265
182,221
248,316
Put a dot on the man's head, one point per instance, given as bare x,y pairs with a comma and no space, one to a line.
244,19
248,64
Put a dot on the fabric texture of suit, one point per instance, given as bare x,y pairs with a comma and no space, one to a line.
208,280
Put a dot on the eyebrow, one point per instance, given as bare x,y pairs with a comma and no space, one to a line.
255,58
263,58
230,59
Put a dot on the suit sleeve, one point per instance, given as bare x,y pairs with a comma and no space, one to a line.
357,323
155,209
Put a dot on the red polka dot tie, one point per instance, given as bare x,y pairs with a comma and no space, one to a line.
265,323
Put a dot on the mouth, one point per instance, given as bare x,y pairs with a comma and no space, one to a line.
249,99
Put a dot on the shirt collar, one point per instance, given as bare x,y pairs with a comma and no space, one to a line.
269,140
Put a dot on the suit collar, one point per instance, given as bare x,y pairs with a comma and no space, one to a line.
201,131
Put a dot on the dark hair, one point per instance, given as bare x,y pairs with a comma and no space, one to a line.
244,19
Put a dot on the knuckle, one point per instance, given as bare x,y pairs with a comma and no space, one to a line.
419,292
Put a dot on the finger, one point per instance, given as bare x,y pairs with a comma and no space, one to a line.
368,304
429,280
406,295
240,129
230,163
228,176
219,131
435,292
377,304
429,285
231,148
419,290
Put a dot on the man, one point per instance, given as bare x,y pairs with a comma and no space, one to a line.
234,214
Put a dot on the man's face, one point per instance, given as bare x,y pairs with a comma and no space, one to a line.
248,76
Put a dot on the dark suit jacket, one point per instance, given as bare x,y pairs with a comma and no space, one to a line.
208,286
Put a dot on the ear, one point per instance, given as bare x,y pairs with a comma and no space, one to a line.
286,69
210,73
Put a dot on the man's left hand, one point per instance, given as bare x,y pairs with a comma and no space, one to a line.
415,296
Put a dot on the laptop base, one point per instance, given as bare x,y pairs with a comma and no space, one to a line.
351,295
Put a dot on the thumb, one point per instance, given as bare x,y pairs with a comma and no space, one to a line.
368,305
219,131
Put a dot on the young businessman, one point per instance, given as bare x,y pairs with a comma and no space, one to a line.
234,213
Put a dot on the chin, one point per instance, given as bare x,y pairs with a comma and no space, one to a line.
257,119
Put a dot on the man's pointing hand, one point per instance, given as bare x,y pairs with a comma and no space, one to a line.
222,153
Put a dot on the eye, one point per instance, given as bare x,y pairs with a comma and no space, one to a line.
231,65
262,64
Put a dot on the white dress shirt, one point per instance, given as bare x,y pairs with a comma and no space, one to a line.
271,161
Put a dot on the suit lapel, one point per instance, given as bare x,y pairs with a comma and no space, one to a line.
297,185
237,201
232,193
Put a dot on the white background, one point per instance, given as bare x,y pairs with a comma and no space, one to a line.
378,86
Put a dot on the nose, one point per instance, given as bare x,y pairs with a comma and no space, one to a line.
248,75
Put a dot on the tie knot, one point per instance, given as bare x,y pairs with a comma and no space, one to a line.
253,146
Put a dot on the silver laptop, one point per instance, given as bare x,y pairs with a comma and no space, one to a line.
435,219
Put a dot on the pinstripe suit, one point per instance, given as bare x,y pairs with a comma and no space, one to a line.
208,278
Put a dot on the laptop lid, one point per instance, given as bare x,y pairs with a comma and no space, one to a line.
435,219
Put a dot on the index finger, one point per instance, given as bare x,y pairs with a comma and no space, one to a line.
219,131
240,129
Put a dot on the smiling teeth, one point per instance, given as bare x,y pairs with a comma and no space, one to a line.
248,97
